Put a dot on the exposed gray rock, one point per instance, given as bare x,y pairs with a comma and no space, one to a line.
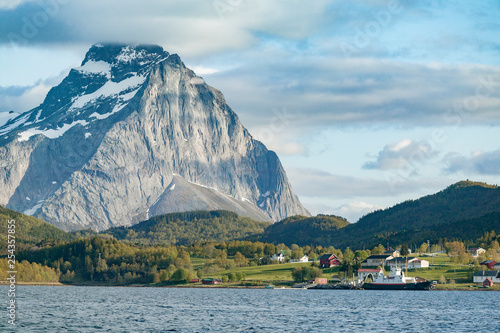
106,143
184,196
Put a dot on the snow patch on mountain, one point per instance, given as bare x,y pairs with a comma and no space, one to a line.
92,67
129,54
34,209
6,116
110,89
19,122
50,133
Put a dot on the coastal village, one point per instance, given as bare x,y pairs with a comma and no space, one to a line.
379,267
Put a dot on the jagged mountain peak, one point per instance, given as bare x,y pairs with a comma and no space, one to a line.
124,53
117,61
106,142
109,77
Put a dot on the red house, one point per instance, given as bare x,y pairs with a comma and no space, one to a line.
488,263
329,260
211,281
487,283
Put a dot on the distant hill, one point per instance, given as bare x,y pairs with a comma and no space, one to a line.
463,210
30,231
189,227
470,229
301,230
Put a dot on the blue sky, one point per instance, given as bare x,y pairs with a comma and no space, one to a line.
367,103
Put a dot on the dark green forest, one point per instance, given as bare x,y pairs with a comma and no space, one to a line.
316,230
30,231
187,228
462,211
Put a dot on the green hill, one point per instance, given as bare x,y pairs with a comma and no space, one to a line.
302,230
30,231
470,229
189,227
463,210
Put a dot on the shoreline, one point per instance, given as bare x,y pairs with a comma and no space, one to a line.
59,284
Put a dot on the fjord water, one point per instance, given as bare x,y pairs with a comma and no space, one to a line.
115,309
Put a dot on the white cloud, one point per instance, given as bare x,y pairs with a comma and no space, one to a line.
317,183
322,92
190,27
354,210
29,98
11,4
291,148
401,155
479,162
201,70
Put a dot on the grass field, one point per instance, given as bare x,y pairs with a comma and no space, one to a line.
277,274
457,276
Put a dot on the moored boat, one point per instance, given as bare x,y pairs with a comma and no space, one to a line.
397,281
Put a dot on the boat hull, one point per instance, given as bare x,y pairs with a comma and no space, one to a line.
427,285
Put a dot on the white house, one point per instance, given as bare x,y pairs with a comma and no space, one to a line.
303,259
419,263
278,257
376,260
402,262
477,251
480,276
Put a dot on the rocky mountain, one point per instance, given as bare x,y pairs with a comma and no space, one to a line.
183,196
104,146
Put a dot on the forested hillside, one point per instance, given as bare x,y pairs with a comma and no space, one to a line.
464,211
317,230
29,231
189,227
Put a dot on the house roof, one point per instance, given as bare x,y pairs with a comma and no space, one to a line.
488,279
327,256
379,256
476,248
486,273
401,260
486,262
